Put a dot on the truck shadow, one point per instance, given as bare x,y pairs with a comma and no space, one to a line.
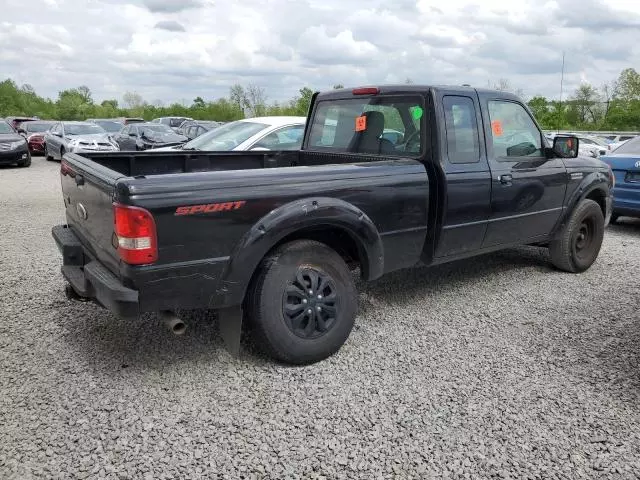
396,287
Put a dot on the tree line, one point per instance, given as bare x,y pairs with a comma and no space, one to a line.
612,106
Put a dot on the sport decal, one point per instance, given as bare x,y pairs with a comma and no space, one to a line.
210,208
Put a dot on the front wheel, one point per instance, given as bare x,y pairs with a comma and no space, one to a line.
26,162
303,302
48,157
578,243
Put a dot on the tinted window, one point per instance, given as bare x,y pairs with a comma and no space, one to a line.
463,144
512,131
365,125
630,147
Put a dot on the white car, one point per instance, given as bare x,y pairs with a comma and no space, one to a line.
259,133
593,145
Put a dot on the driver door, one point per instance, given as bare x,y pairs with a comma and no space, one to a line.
527,188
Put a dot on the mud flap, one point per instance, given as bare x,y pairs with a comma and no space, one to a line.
230,325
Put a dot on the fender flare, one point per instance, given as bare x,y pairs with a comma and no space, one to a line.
590,183
288,219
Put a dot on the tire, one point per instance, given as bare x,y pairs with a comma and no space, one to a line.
26,163
276,303
48,157
578,243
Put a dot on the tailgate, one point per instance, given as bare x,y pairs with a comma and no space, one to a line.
88,190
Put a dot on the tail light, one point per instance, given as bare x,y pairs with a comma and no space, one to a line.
65,169
135,231
365,91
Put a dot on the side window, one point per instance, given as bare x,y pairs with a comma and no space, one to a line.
287,138
463,143
377,125
512,131
125,130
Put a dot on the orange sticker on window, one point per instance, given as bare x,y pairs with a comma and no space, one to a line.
496,127
361,123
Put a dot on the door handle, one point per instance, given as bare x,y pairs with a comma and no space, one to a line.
506,178
79,180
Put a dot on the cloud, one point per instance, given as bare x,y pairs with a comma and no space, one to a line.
169,25
171,6
114,46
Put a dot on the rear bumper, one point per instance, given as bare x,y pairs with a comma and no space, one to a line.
90,279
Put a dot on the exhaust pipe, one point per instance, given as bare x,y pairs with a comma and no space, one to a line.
172,322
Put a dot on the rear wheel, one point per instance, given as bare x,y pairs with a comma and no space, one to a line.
302,303
578,243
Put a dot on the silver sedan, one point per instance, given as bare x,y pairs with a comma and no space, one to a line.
76,137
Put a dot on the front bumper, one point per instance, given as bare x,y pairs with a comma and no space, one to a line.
90,279
14,156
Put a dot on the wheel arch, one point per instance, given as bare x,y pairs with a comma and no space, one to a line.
593,187
334,222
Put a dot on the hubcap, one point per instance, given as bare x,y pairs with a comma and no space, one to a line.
310,303
584,238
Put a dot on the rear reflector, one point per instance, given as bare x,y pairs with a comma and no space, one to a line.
135,230
365,91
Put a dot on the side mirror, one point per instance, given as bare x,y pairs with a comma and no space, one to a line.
566,146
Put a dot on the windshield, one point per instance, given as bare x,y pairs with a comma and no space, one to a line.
630,147
5,128
225,137
151,129
36,126
82,129
110,126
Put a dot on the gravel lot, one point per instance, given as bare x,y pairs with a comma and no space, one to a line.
494,367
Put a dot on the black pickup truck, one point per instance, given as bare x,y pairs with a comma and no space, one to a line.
387,178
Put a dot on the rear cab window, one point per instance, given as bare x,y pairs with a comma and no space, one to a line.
386,125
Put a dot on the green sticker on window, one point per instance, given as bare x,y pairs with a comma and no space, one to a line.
416,113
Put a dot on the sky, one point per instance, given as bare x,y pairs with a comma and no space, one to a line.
175,50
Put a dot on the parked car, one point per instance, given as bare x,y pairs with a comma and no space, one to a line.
593,145
259,133
143,136
16,121
625,163
194,129
109,125
13,147
34,132
272,236
76,137
172,122
620,140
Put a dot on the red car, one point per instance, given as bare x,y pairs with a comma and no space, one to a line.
34,132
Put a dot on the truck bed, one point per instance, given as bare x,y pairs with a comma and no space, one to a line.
136,164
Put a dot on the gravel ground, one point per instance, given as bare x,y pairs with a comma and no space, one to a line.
494,367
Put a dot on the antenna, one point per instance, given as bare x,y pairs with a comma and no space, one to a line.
560,118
